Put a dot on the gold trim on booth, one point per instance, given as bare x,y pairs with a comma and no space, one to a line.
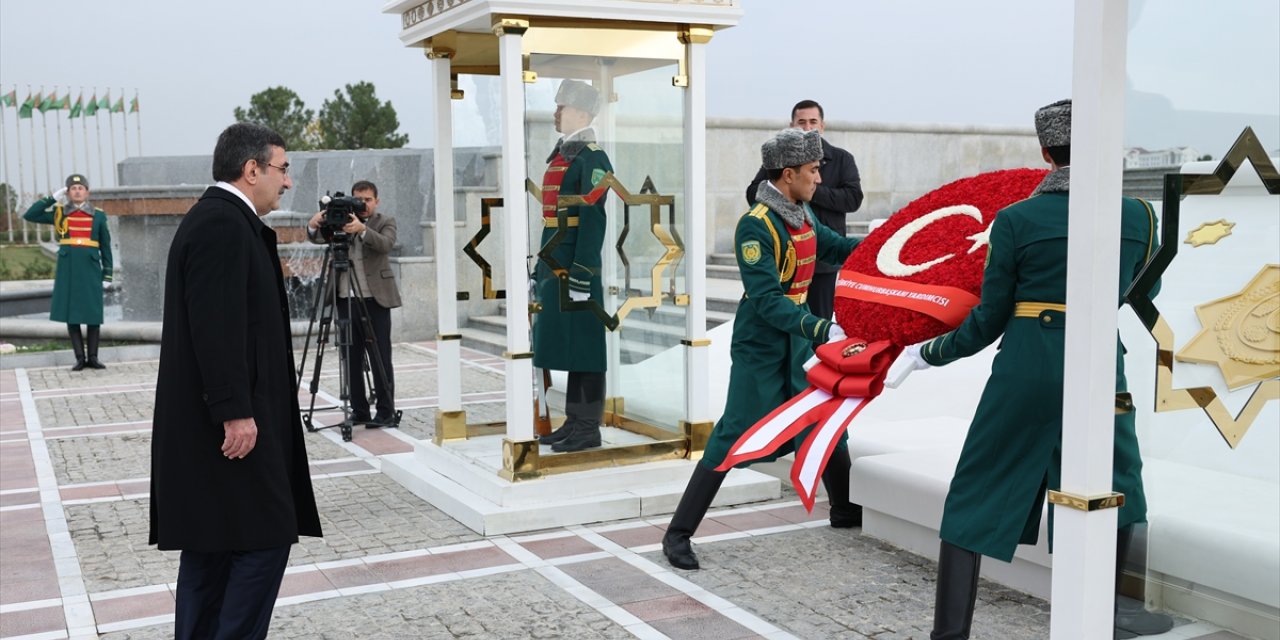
440,337
451,426
681,80
697,434
700,342
523,355
614,408
695,34
512,26
1086,503
529,77
520,460
606,457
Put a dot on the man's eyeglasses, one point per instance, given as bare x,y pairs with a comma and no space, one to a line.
283,169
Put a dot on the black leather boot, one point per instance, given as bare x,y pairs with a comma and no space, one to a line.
702,489
572,400
835,478
589,411
77,346
1132,615
957,592
92,356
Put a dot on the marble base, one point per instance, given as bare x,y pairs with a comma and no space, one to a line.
462,480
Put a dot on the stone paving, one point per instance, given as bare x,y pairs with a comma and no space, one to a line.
74,465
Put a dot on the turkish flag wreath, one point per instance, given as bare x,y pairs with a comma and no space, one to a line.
912,279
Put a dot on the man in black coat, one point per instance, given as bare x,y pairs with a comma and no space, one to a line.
840,193
230,485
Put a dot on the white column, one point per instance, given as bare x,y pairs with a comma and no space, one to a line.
449,358
1085,541
697,358
516,239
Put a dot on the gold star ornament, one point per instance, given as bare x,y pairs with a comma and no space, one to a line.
1241,332
1209,233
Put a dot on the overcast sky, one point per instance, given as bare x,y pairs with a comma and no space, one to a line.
975,62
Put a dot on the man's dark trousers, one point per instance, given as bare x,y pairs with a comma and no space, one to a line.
228,594
380,319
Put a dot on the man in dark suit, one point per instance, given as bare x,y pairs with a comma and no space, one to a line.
230,486
839,194
372,235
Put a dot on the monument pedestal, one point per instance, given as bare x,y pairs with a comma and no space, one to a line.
461,479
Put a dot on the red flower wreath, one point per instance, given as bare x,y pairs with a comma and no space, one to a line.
940,227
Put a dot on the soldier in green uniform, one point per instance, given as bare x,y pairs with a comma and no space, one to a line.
778,245
84,264
1012,453
564,339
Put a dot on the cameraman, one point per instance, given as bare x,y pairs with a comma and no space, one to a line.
372,236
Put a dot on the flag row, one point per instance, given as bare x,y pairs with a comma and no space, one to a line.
81,107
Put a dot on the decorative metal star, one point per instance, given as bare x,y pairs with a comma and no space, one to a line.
1209,233
1177,185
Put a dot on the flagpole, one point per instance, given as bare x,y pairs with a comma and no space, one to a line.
124,117
97,128
138,120
112,123
4,151
22,187
48,172
84,128
71,134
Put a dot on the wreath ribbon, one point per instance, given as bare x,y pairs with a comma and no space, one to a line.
848,375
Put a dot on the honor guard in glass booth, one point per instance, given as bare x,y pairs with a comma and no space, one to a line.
564,340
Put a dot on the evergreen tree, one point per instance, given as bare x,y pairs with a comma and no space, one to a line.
280,109
358,120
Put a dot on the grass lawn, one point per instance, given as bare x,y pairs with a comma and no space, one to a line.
24,262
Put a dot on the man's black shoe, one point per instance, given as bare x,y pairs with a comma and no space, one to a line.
557,435
357,418
584,437
679,552
846,516
379,421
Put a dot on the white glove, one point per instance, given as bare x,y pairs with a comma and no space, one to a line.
909,360
579,296
810,363
60,195
105,285
835,333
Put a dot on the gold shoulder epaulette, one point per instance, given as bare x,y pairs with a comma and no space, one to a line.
759,211
593,146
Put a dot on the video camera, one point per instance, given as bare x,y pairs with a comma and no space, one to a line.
337,211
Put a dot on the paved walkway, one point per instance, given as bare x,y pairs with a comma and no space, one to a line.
74,562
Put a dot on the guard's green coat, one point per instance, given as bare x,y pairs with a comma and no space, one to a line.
77,284
573,340
772,334
1012,452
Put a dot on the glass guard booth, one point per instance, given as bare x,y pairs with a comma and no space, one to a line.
496,79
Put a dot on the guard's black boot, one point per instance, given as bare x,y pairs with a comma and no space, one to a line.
77,346
589,411
703,485
835,478
92,357
957,592
1132,615
572,401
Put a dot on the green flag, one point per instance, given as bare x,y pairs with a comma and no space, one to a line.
25,110
77,108
91,107
10,99
133,105
105,102
119,106
64,103
49,103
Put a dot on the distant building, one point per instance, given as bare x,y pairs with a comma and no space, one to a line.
1140,158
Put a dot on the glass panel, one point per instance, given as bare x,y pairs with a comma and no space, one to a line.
638,150
1198,75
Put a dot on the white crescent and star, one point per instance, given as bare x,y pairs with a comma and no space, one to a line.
889,259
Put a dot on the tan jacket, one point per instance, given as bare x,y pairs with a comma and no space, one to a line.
378,239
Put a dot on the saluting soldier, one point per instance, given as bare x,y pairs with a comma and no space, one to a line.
1012,452
779,242
573,340
84,264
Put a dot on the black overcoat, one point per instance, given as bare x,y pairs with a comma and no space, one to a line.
226,353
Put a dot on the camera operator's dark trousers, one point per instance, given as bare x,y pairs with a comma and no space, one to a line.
380,318
227,594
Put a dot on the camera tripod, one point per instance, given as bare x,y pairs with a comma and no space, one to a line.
323,309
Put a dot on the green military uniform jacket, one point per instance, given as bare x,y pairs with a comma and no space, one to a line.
82,268
572,340
1013,449
773,335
